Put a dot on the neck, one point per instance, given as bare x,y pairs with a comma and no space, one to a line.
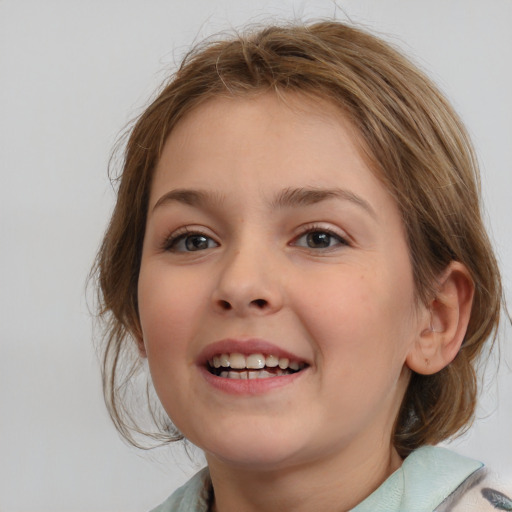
333,485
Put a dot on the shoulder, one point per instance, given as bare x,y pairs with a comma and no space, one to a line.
435,479
487,491
194,496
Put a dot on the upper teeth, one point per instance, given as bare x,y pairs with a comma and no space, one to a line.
253,362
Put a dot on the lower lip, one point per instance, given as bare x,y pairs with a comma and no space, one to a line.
250,386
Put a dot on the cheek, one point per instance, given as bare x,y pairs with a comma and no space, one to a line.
360,318
168,306
167,311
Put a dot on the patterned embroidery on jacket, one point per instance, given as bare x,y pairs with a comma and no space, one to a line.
497,499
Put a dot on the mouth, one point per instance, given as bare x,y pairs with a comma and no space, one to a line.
252,366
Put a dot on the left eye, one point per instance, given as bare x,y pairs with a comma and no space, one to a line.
319,240
191,242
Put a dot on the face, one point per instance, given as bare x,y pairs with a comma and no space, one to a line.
276,295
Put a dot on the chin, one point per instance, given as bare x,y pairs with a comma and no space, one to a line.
255,451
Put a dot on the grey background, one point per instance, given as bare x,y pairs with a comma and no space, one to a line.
72,74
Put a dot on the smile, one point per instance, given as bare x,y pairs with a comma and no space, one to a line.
252,366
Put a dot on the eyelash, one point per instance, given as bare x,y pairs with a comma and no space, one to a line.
170,243
309,230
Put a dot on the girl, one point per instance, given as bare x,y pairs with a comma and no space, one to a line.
298,252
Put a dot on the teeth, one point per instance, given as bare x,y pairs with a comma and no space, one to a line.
262,374
255,361
252,362
237,361
283,363
253,374
271,361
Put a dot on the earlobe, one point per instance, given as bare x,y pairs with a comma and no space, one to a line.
444,322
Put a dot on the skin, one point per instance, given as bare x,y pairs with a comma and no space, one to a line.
322,440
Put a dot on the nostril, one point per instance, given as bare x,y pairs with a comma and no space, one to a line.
255,305
260,303
224,304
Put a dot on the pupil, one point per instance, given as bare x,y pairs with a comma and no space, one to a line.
196,243
318,239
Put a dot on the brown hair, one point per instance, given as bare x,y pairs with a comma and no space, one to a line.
413,140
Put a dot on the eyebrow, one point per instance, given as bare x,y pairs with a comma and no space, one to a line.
292,197
189,197
288,198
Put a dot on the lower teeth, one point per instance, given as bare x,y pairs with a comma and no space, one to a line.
252,374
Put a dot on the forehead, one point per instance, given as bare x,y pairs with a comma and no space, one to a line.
290,136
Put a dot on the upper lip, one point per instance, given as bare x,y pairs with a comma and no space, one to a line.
245,347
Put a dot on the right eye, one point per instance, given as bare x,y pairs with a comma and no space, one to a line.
189,242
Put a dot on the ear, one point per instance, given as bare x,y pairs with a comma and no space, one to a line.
443,322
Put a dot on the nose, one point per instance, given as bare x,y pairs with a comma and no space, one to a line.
249,284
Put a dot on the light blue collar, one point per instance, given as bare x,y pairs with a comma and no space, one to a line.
426,478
